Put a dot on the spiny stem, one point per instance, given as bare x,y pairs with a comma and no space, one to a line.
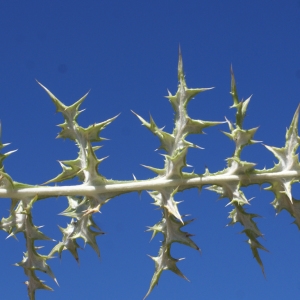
152,184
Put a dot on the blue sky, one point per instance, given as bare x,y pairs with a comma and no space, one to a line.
126,53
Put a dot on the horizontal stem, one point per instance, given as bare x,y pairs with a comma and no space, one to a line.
150,184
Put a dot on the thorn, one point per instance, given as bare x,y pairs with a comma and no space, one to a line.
56,281
91,210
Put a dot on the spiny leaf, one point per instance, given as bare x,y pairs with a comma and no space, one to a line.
92,132
71,168
241,106
165,199
34,283
284,200
238,214
255,245
196,126
164,261
83,230
166,139
92,166
71,112
68,243
230,190
172,232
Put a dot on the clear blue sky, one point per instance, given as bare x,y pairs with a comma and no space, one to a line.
126,52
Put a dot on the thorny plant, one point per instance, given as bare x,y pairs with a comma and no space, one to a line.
87,198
